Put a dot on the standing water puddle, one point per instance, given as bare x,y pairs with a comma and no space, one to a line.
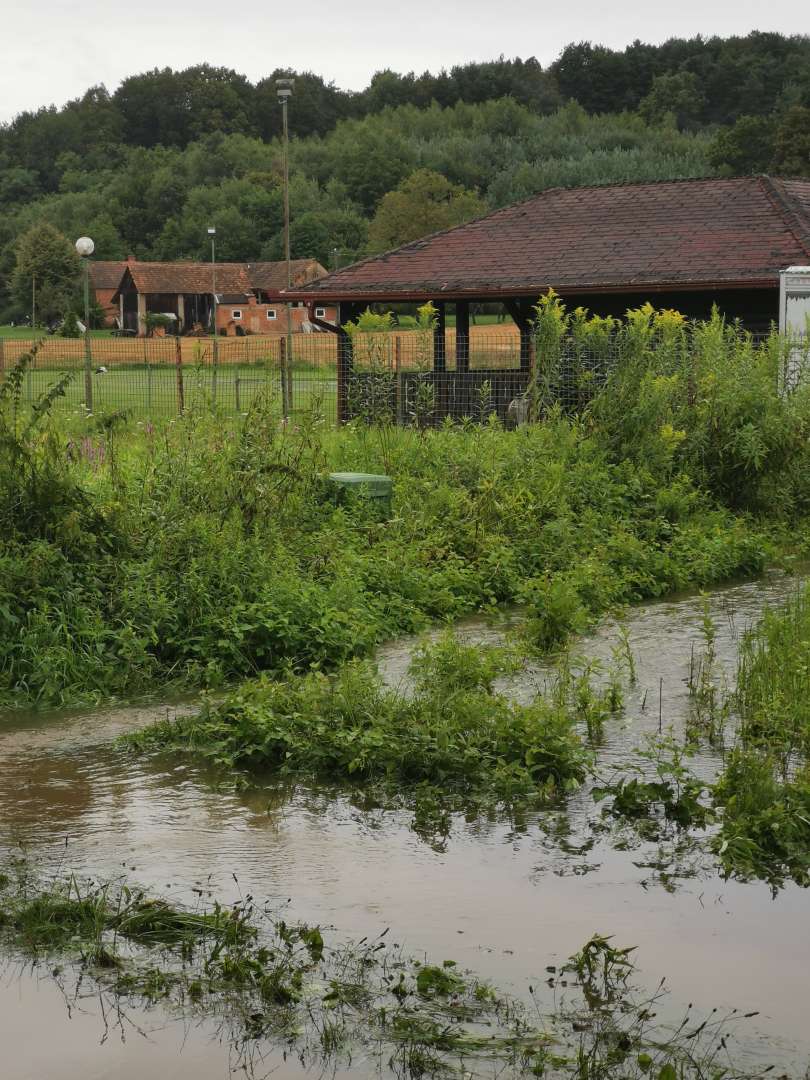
500,898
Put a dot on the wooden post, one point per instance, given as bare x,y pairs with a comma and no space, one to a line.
345,360
236,382
462,335
285,388
214,367
520,316
400,403
178,363
2,359
290,366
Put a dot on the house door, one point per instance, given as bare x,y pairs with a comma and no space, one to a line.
254,324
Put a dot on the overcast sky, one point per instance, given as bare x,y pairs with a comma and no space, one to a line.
53,50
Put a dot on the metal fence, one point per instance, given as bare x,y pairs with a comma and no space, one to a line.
408,378
150,378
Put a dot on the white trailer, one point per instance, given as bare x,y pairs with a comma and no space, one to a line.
794,322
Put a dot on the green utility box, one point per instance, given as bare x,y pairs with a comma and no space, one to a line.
366,485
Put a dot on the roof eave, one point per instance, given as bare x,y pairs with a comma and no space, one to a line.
412,293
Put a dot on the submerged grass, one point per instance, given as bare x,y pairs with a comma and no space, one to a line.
754,813
270,983
452,734
764,789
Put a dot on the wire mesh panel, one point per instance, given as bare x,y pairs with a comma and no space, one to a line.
404,377
148,378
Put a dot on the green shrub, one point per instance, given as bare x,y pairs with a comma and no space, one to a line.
454,731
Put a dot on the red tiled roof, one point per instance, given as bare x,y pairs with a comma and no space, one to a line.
672,234
231,278
188,277
106,275
271,276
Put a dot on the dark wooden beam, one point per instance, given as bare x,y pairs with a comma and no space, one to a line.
521,312
345,357
462,335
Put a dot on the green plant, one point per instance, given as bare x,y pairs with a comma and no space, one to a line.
454,732
70,326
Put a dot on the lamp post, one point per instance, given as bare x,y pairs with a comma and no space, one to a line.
284,88
212,232
85,248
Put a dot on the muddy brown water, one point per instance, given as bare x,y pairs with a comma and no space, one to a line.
502,899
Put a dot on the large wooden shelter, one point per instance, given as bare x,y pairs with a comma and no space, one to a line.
684,244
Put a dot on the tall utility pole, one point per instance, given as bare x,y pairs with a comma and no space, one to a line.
85,248
212,232
284,89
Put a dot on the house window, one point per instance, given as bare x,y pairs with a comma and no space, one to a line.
271,313
236,314
320,312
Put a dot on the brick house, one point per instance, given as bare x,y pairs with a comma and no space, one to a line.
246,296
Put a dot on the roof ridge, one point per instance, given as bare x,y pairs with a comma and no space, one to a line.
783,204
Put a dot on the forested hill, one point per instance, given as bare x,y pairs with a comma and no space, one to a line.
145,169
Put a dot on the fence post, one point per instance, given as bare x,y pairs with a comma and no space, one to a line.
290,364
400,404
236,382
88,371
2,360
178,363
285,388
214,366
148,387
28,379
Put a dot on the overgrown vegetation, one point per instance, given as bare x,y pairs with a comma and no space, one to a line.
755,811
199,553
453,734
764,789
274,983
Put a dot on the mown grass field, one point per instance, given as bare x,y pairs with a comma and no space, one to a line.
151,391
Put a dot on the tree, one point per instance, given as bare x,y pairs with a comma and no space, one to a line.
678,95
369,161
45,254
318,233
424,203
791,151
746,147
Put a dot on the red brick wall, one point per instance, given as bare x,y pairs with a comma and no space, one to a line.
104,297
254,318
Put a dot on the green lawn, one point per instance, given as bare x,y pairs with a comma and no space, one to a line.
151,391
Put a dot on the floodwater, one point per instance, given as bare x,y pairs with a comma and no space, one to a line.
501,898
